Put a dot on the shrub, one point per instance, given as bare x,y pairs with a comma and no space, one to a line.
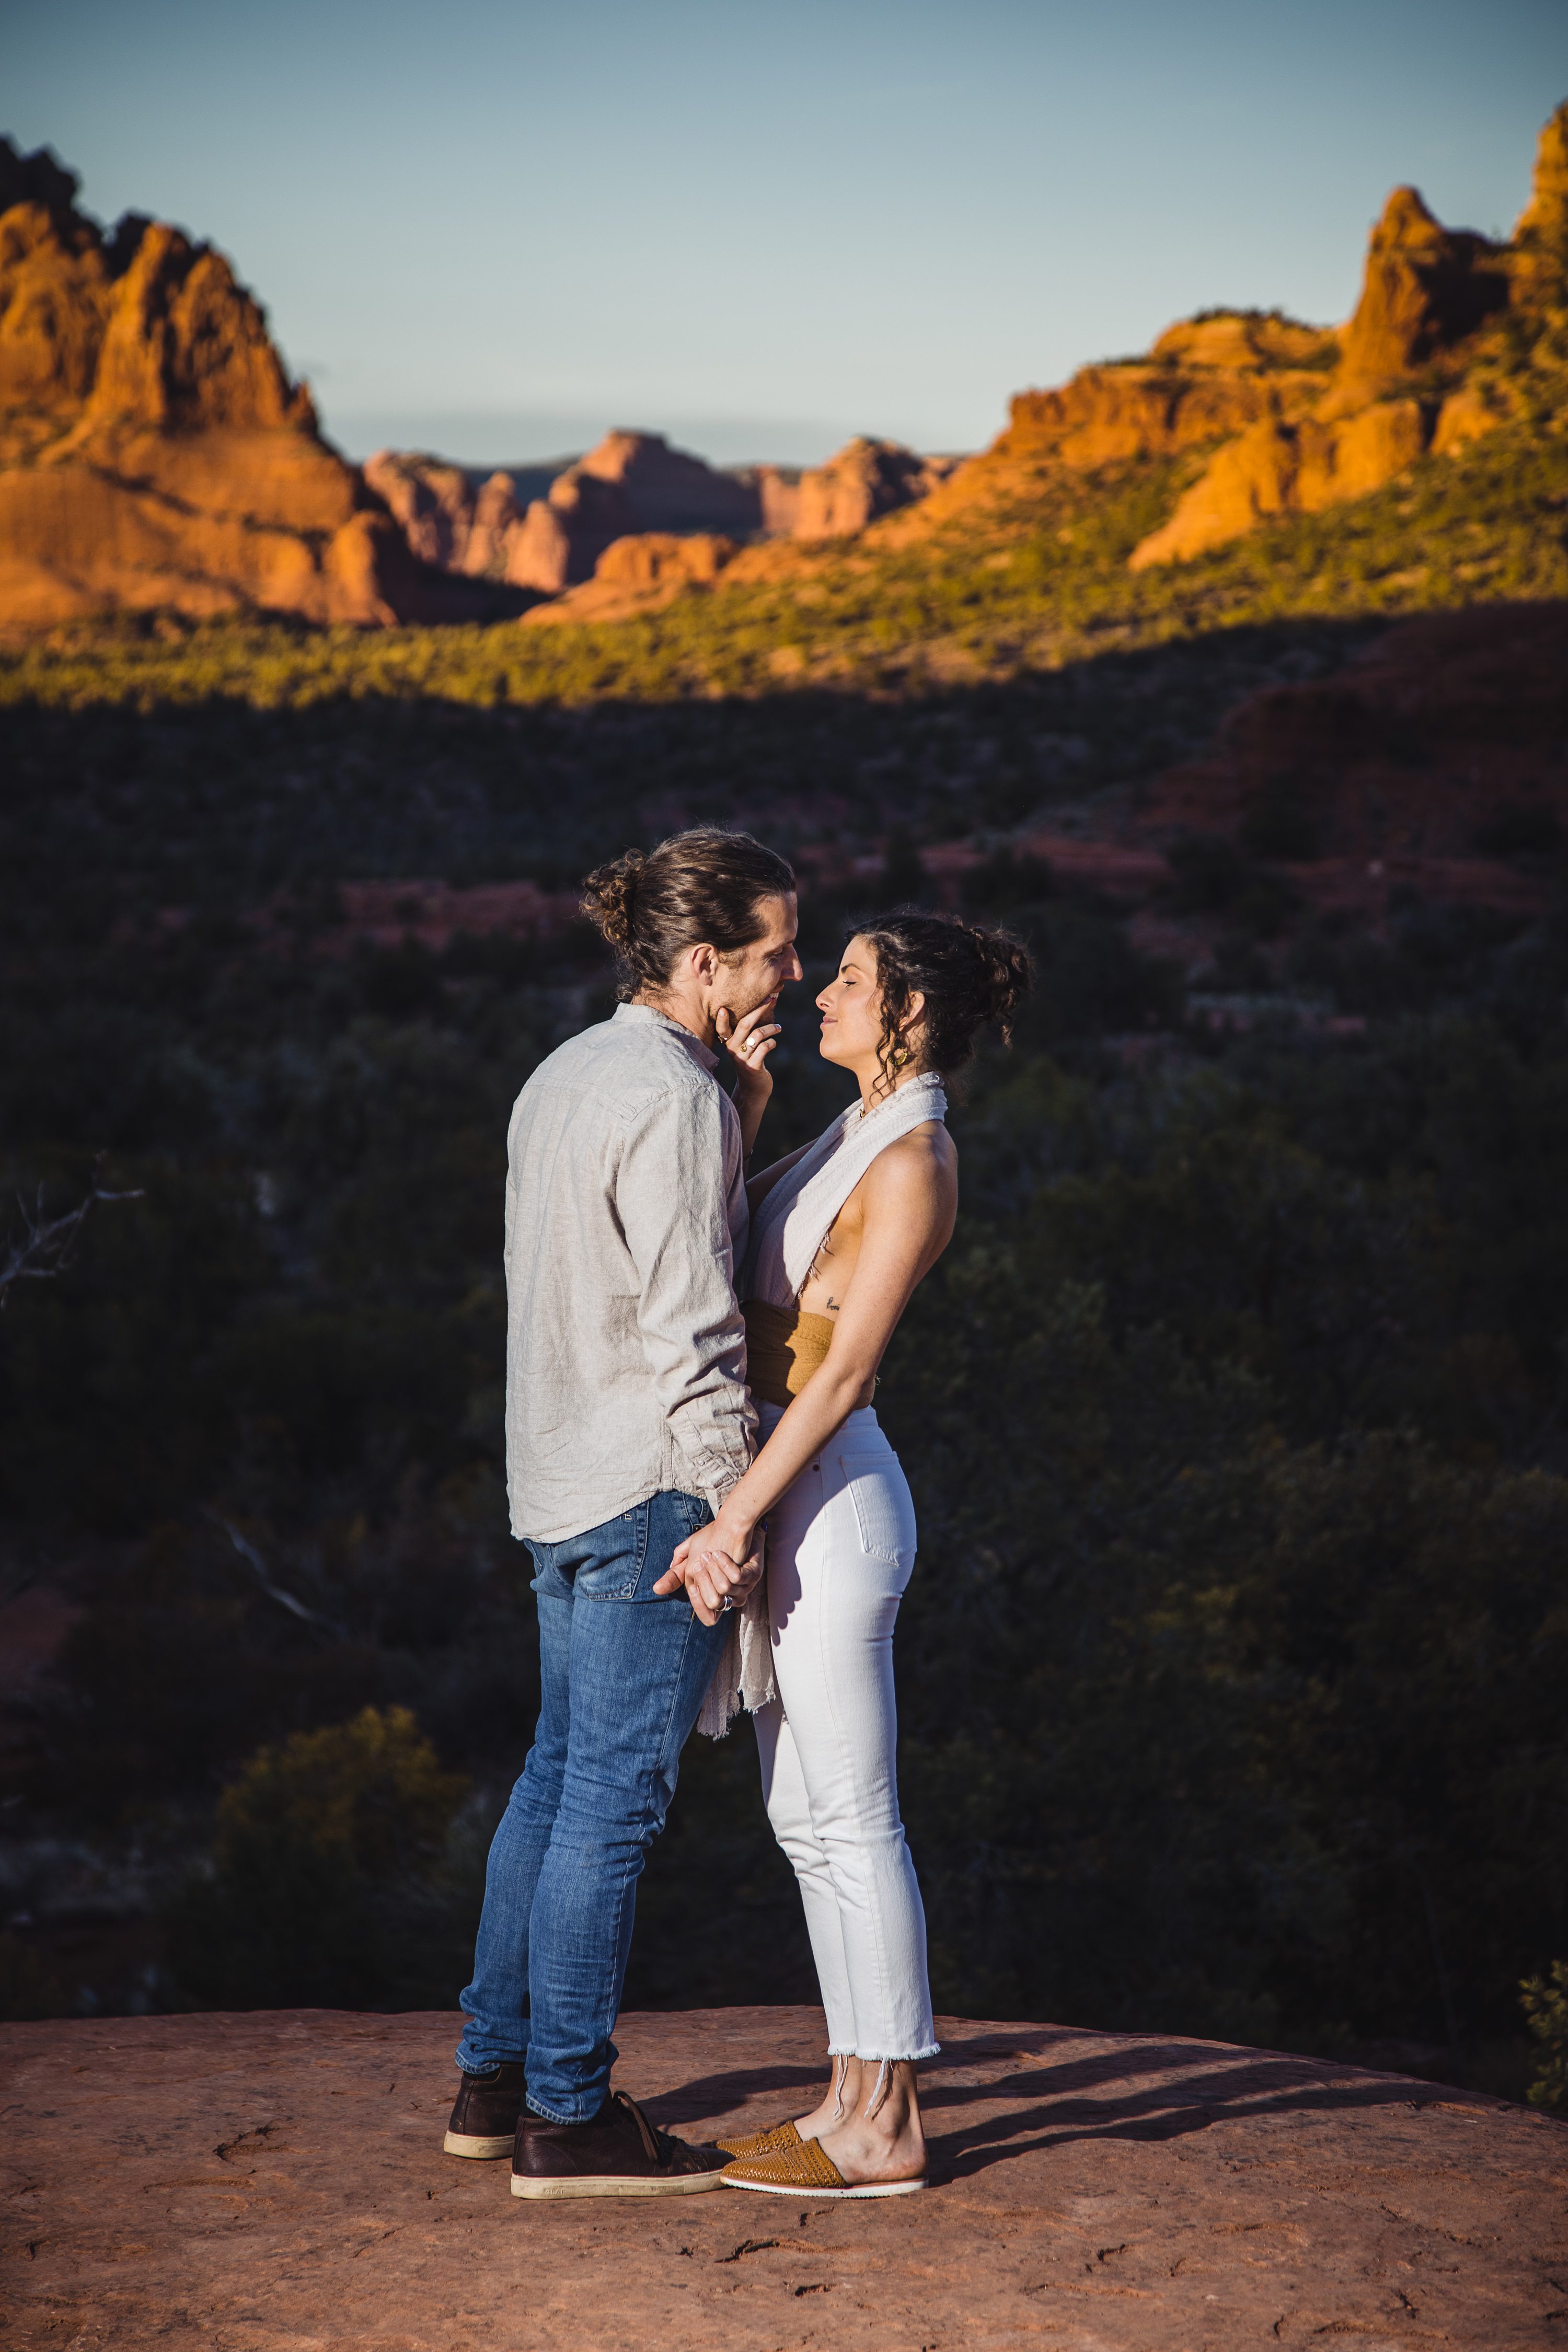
1546,2012
27,1989
326,1886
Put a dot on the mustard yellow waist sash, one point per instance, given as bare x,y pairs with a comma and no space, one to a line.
784,1347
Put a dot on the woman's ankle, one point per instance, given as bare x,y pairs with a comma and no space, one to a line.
882,2134
837,2103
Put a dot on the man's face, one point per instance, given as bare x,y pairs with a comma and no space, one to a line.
754,975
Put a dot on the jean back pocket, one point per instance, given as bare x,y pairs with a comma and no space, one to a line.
884,1515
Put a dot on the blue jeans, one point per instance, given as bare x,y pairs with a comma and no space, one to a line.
623,1677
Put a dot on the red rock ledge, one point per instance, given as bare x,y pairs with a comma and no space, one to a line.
275,2183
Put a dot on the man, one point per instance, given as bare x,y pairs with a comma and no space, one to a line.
627,1422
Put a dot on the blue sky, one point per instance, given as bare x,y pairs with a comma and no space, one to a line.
497,229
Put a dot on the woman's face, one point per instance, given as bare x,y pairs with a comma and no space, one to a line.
851,1010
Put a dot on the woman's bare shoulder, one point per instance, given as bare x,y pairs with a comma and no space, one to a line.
925,1146
922,1163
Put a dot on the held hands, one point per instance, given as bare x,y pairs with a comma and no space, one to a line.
712,1577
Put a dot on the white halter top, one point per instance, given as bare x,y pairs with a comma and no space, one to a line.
796,1216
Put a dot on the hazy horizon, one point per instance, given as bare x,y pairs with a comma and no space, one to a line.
760,235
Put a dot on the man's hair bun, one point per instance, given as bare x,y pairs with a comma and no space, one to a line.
703,885
609,898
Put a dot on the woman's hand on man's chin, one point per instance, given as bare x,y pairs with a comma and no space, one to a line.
749,1041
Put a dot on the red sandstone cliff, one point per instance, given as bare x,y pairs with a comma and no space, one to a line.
632,483
866,478
153,450
1423,364
1303,416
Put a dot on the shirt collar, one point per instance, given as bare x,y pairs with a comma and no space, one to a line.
699,1051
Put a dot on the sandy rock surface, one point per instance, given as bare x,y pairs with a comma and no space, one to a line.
251,2183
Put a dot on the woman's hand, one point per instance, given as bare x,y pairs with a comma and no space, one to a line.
718,1564
748,1041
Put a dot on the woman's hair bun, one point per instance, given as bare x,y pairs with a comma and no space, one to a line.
1008,970
609,895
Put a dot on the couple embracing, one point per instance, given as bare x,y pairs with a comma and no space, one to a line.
691,1355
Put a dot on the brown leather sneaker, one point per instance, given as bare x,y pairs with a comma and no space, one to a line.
619,2154
484,2120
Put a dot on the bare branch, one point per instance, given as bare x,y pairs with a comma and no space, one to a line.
49,1243
259,1568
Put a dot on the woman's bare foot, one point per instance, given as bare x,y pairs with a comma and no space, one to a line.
838,2102
880,2137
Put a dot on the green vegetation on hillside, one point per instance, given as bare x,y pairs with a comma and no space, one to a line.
1037,581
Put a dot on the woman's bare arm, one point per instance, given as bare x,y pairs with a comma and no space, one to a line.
909,1196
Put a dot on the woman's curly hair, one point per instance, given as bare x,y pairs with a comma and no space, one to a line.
967,976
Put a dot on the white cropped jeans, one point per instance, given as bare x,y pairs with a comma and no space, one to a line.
840,1550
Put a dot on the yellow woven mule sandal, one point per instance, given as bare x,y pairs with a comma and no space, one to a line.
763,2143
806,2169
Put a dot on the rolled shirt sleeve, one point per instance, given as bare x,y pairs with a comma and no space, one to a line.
678,1187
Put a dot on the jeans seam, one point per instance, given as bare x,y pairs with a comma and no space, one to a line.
675,1683
675,1670
873,1919
883,1987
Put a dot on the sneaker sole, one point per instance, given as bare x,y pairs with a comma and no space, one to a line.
471,2143
820,2196
613,2184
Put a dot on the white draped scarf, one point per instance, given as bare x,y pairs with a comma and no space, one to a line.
788,1230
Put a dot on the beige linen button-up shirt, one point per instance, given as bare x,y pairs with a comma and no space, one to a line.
626,1220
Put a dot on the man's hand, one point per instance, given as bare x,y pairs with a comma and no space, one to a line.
711,1576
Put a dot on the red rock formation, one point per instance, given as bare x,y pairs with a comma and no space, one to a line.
669,490
1274,468
153,450
780,495
432,502
1108,415
1427,287
1428,299
632,483
496,516
1205,379
640,573
1540,252
1304,416
561,538
866,478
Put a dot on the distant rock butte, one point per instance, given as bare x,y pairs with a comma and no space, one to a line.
631,483
152,449
636,484
866,478
639,573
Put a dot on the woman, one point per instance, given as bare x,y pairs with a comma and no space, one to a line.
842,1232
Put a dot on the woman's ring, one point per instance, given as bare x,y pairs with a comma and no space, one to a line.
726,1604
